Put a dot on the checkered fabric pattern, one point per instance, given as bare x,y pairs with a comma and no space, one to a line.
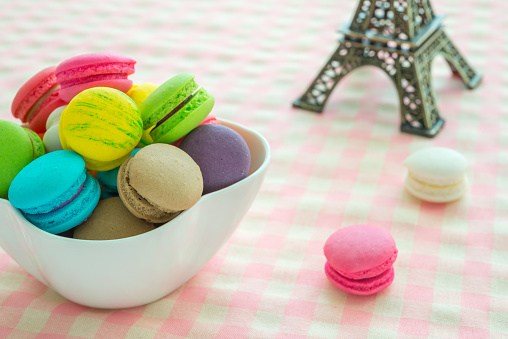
328,171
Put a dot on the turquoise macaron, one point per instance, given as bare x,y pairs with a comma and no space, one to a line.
55,192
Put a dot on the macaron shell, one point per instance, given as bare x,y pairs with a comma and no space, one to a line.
47,182
436,194
54,117
221,154
51,139
67,94
73,213
135,203
185,120
103,125
139,93
15,153
37,144
111,220
40,116
93,70
366,286
32,91
166,97
166,177
437,163
360,251
93,63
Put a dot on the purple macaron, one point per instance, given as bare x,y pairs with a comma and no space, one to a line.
221,153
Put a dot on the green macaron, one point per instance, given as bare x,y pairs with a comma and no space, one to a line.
18,147
175,108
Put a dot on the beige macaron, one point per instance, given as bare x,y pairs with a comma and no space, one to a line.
158,182
111,220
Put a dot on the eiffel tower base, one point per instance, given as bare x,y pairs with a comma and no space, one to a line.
409,70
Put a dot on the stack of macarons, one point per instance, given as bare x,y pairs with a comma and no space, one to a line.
113,150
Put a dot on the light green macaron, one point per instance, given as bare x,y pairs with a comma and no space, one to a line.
175,108
18,147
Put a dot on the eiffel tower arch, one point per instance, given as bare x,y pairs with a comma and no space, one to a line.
401,37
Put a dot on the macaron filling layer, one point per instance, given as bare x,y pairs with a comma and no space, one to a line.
73,73
191,105
436,183
372,272
176,109
137,204
22,104
93,78
169,104
360,286
68,201
71,214
39,102
65,197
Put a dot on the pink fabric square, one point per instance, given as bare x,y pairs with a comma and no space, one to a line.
5,331
179,327
328,220
110,330
311,278
427,234
70,309
484,214
419,293
245,300
271,241
426,262
478,269
479,239
300,308
303,169
283,215
122,318
355,318
50,336
476,301
19,299
290,336
473,333
193,294
227,331
414,327
258,271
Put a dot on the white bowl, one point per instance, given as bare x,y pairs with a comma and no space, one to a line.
138,270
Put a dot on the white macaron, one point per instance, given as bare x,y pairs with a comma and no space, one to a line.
436,174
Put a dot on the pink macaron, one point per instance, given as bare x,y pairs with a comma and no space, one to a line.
360,259
37,99
93,70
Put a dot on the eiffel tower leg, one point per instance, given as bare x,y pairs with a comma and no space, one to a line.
419,114
458,63
337,67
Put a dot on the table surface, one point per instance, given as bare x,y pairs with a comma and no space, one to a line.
328,171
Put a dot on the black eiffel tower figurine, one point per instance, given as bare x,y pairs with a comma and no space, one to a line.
401,37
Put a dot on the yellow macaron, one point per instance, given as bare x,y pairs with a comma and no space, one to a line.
103,125
138,93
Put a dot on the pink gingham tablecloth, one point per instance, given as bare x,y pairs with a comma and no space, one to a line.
329,170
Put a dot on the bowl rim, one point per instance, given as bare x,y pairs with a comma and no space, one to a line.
236,126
